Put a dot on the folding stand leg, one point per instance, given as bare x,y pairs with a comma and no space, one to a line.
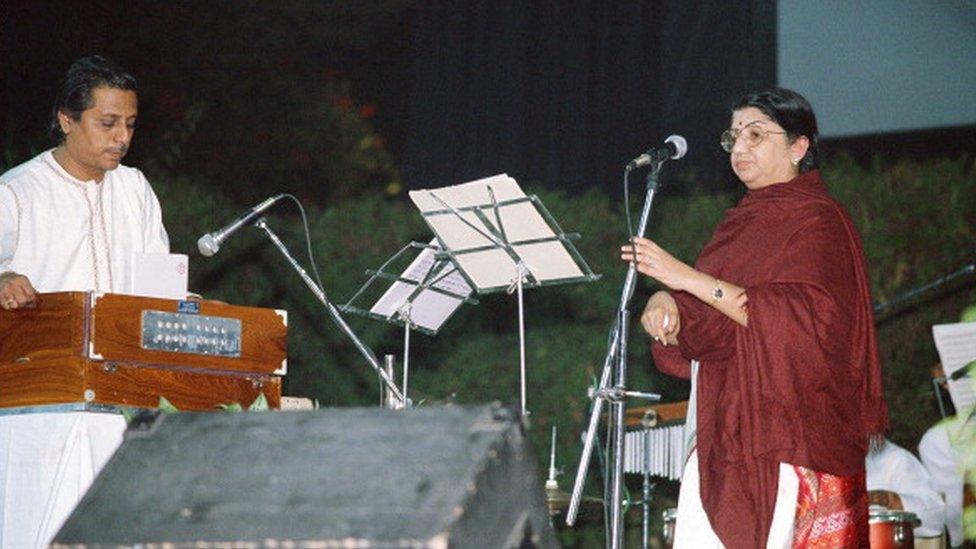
521,315
406,361
388,400
617,438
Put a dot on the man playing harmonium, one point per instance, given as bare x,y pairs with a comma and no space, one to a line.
70,220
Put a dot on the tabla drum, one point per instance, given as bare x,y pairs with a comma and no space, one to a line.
670,517
892,529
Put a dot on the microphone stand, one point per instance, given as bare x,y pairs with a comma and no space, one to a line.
615,363
334,313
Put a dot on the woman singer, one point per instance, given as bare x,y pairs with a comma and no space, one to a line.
777,313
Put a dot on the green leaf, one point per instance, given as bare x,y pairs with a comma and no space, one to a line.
127,414
232,407
166,406
260,404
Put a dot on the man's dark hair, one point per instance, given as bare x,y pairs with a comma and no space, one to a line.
793,113
83,77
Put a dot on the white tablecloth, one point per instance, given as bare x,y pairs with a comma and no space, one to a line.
47,462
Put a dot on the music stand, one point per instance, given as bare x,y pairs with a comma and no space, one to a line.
421,298
956,345
499,239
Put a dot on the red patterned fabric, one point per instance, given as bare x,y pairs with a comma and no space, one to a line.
831,511
801,384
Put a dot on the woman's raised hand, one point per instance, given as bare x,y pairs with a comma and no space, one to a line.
653,261
661,319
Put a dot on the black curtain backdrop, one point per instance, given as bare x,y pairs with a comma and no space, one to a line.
565,94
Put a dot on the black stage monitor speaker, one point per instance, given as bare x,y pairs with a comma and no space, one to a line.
349,478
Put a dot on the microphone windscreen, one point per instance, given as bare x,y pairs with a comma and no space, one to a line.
680,146
208,245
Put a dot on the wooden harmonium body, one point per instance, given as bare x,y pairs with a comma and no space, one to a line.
655,440
121,350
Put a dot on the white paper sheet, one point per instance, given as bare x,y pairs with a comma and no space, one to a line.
159,275
546,261
429,309
956,344
468,194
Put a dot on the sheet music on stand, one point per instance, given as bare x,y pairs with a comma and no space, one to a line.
500,239
490,226
424,296
956,344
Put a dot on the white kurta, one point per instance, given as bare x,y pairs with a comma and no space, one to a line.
895,469
693,530
943,464
65,235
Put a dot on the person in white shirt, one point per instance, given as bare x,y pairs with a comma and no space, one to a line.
942,450
70,220
941,459
898,481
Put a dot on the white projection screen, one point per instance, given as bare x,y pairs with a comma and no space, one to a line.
877,66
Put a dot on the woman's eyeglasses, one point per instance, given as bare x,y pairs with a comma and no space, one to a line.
753,136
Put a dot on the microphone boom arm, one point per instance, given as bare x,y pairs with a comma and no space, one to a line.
333,312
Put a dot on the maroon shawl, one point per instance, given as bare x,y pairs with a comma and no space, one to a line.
802,383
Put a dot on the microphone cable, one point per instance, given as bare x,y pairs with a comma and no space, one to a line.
308,239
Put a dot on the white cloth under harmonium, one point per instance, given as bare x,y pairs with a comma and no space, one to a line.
65,235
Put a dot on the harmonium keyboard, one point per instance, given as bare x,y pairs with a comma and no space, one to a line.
112,350
654,441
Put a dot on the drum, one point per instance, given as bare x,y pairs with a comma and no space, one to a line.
670,517
892,529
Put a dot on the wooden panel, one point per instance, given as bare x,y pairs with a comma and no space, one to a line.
656,414
187,389
42,381
65,380
55,327
116,334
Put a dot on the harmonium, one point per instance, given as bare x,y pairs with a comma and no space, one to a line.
654,443
111,350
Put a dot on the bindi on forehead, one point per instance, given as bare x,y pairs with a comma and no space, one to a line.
751,122
748,116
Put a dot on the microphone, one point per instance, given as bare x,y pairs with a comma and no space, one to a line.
209,243
674,148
